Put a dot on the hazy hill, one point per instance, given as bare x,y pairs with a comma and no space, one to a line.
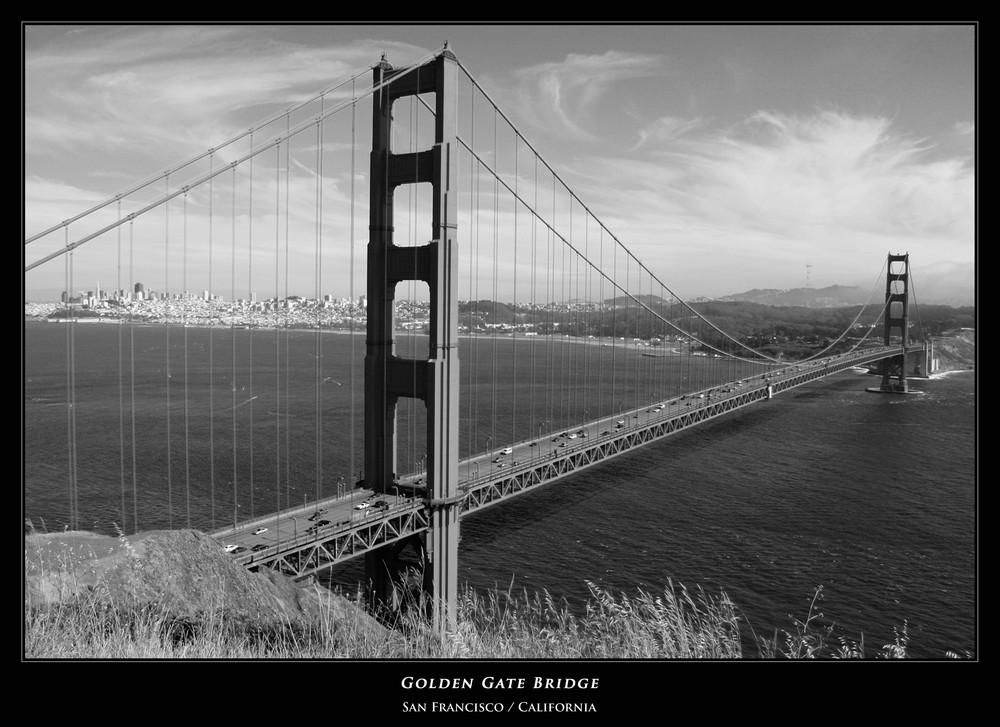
830,297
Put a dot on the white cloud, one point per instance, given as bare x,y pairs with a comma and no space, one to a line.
777,189
563,96
666,129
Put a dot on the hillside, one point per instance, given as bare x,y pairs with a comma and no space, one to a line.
956,351
183,572
830,297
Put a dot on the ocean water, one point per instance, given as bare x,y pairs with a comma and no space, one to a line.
871,497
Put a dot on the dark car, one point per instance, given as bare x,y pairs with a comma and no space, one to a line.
381,505
239,550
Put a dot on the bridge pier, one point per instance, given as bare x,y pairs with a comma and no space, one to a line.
388,376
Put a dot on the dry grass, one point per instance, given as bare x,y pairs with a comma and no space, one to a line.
674,624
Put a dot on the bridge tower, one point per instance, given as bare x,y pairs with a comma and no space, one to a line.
388,376
897,316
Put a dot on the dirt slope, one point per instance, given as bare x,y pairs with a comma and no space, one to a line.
184,571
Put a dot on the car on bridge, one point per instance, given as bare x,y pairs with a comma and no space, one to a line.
260,531
362,506
231,548
506,450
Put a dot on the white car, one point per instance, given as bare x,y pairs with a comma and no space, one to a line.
363,506
506,450
260,531
231,548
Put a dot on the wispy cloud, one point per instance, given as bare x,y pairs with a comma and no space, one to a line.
170,88
787,174
777,185
563,96
666,129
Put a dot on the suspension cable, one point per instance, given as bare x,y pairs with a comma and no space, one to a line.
303,126
208,153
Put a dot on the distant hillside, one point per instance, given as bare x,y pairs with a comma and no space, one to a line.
831,297
956,350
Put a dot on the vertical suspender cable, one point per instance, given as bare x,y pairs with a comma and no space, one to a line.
354,111
121,385
71,388
514,306
184,292
319,295
550,306
287,312
249,317
584,330
474,368
412,233
166,328
232,327
614,327
277,330
131,318
211,344
534,302
496,242
600,328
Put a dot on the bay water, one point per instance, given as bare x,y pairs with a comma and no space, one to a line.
870,498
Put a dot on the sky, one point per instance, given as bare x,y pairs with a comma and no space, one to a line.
726,157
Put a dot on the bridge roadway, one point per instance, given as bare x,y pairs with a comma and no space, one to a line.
302,541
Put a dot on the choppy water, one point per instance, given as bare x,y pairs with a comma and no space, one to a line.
872,497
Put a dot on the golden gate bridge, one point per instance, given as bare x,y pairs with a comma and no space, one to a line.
498,336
